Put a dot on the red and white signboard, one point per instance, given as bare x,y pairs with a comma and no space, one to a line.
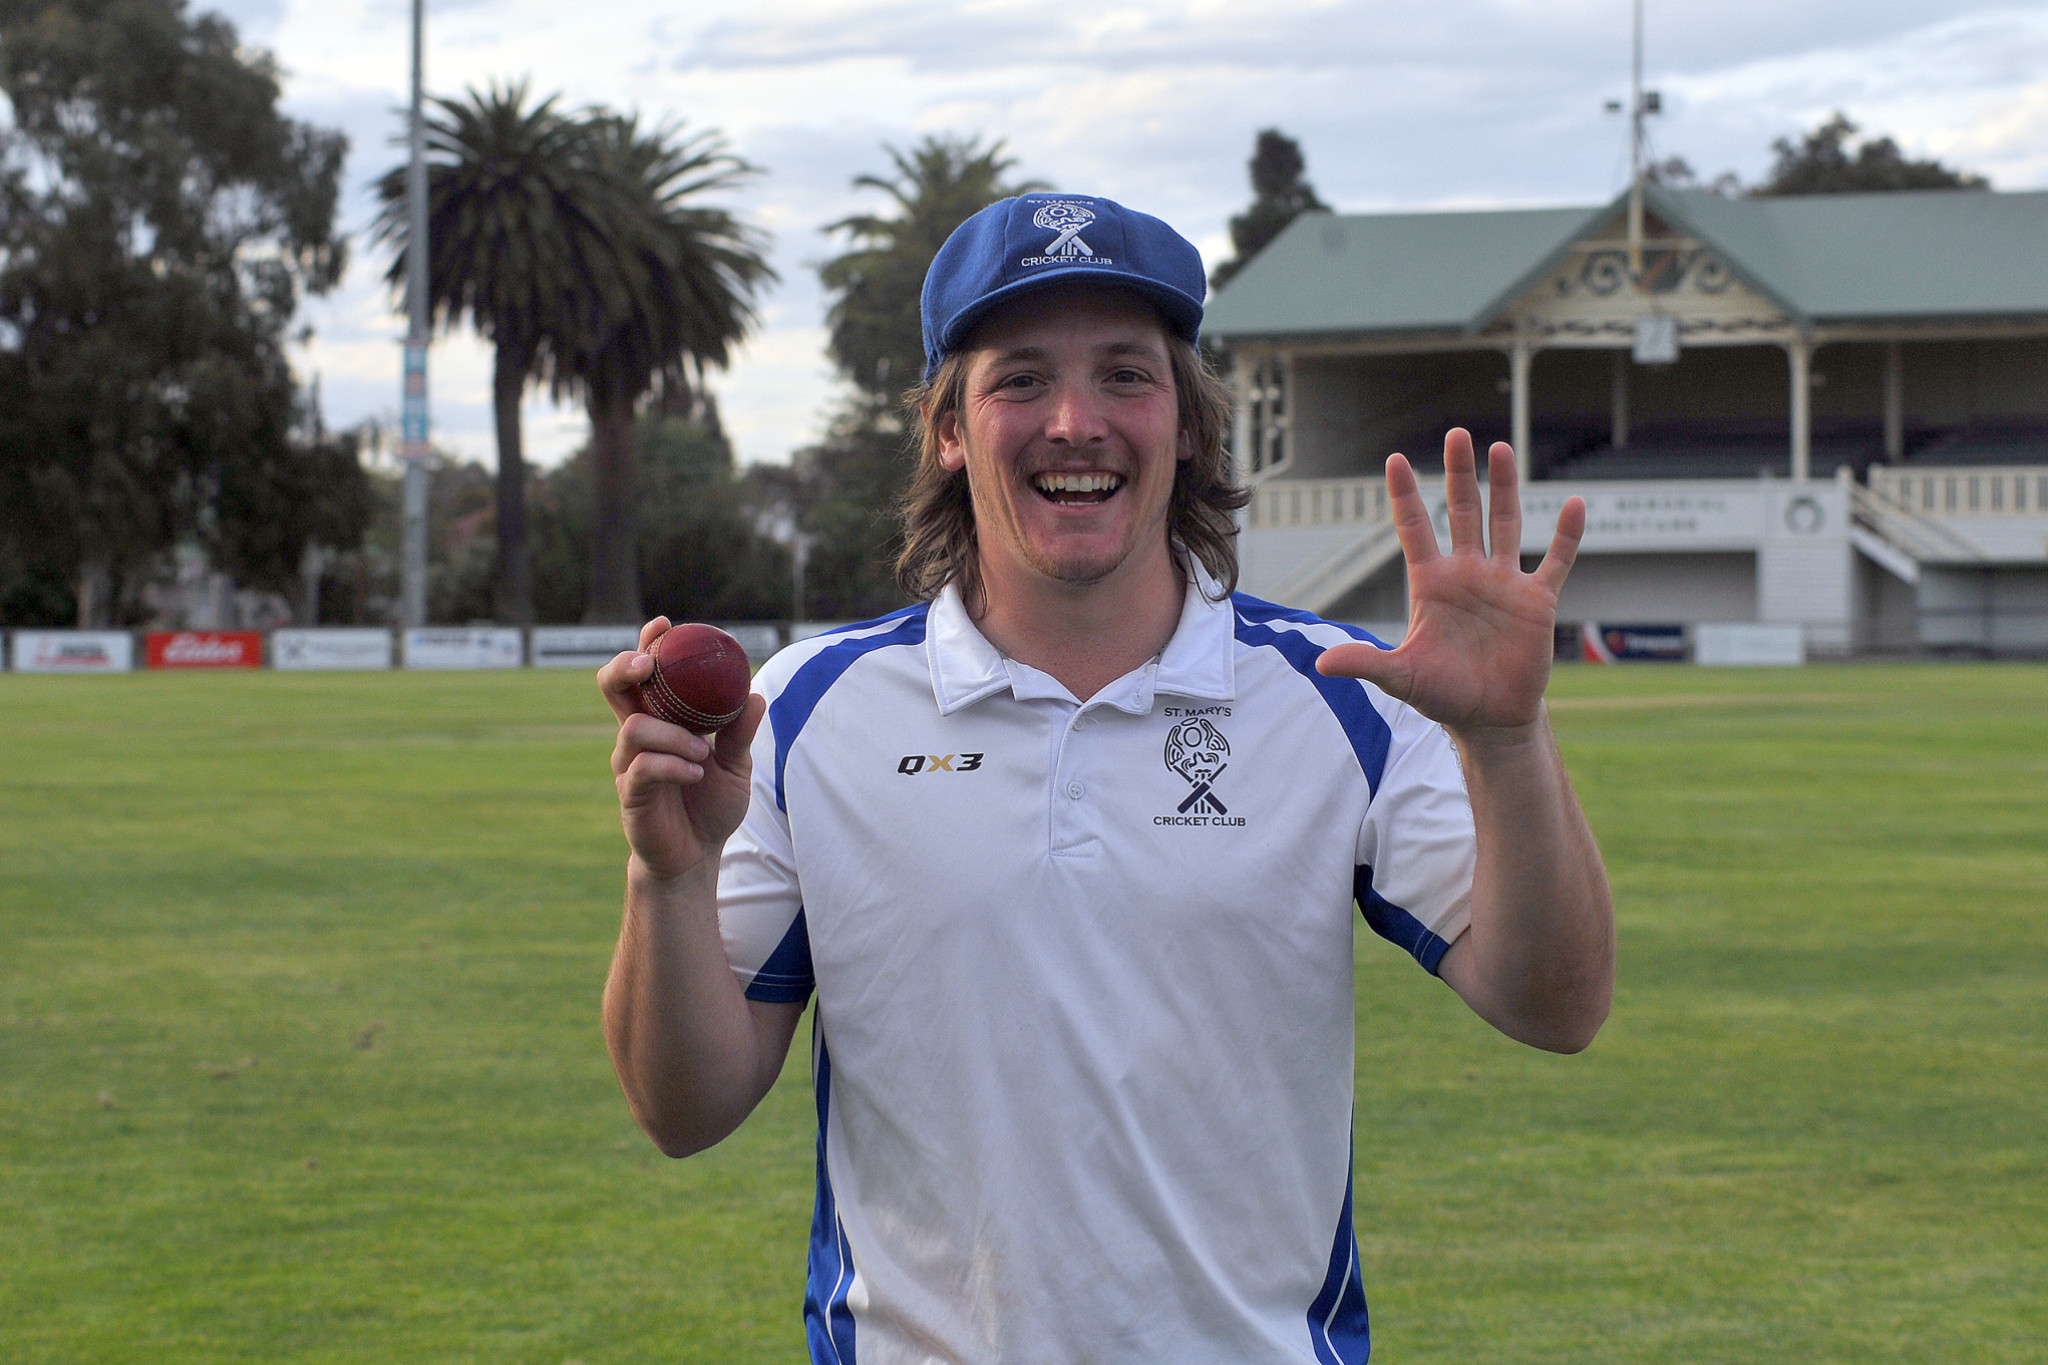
73,651
205,649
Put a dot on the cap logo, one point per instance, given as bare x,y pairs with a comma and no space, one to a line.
1064,220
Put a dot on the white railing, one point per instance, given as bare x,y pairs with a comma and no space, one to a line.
1318,502
1965,491
1922,538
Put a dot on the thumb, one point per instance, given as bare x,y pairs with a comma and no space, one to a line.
736,739
1384,668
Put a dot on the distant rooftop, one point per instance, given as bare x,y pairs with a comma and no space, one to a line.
1923,255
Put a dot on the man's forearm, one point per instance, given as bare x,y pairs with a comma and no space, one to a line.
692,1053
1538,960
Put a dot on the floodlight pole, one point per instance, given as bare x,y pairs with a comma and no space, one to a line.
1635,150
413,447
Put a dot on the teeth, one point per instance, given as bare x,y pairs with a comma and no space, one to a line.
1077,483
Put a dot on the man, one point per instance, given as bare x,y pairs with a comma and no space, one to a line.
1068,852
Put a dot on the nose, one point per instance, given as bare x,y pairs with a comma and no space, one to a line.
1076,417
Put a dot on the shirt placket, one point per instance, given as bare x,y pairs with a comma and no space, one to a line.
1075,830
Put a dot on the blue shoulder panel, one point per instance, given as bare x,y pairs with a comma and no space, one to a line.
808,685
1363,725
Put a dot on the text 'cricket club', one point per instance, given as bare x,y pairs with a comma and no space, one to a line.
1065,221
1198,752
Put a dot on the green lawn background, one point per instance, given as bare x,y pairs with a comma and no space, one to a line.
299,1056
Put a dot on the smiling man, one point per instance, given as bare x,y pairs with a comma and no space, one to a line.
1068,851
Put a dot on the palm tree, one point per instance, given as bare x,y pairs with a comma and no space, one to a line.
520,240
876,337
681,295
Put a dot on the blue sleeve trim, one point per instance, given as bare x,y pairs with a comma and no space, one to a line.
785,978
809,684
1396,925
1363,725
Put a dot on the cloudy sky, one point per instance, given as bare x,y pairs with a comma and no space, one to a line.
1397,105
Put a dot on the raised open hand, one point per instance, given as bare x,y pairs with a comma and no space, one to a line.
1480,631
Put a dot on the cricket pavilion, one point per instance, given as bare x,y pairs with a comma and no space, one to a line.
1827,412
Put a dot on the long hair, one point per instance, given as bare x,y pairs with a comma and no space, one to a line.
937,512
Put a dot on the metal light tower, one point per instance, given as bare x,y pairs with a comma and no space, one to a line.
412,446
1635,149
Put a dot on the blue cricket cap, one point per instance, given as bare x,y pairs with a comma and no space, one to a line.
1017,245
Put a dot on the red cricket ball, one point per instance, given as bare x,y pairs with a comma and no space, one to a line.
700,679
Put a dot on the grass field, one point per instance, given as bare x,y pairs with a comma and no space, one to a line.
299,1057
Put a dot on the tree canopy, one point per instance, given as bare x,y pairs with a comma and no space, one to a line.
1830,160
682,296
841,491
876,339
520,245
1279,196
159,219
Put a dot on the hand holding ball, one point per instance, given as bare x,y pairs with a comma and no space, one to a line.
700,679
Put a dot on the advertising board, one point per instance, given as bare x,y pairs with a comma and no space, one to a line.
464,647
1608,644
73,651
580,646
204,648
330,648
1739,644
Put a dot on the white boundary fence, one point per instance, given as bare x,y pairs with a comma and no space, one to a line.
376,648
449,648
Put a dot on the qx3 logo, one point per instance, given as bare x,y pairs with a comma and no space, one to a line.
1198,751
910,765
1067,219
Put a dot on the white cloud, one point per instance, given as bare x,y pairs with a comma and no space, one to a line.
1466,102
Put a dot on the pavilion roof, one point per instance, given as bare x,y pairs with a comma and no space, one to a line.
1917,255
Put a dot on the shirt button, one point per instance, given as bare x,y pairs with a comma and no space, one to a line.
1074,790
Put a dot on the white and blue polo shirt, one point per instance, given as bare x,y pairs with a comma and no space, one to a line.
1084,1037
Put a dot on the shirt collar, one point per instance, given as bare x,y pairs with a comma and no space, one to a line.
1199,661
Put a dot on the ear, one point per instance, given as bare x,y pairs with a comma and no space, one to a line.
1184,446
952,450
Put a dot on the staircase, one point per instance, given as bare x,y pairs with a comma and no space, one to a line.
1902,540
1321,586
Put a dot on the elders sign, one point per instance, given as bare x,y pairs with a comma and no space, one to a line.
205,648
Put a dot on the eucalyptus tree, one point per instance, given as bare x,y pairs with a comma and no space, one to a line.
1823,162
159,221
1279,196
679,296
522,245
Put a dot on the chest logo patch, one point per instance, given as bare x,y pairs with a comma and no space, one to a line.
910,765
1198,752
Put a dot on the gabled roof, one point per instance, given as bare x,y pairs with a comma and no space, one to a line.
1906,256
